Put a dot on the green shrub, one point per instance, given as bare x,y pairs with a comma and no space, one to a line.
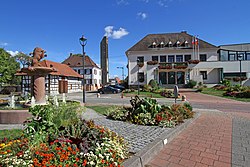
153,83
147,88
191,84
226,83
244,94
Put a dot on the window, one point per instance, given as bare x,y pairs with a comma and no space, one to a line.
247,55
88,71
204,74
95,71
154,58
163,58
100,81
141,77
79,71
141,59
187,57
163,77
95,81
100,73
232,56
179,58
203,57
171,58
223,55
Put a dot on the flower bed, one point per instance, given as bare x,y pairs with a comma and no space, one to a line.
148,112
55,136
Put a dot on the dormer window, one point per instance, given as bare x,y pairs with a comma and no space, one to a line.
178,43
162,44
170,44
186,43
154,44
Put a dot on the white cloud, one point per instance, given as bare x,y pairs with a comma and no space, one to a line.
122,2
146,1
115,34
163,3
4,44
12,53
142,15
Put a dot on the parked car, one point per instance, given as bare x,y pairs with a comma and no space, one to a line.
109,89
118,87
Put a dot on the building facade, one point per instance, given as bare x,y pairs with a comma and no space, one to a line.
104,60
64,80
176,58
92,73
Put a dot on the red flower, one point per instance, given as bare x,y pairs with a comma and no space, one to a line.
84,162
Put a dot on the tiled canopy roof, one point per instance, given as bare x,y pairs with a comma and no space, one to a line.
76,61
164,40
61,69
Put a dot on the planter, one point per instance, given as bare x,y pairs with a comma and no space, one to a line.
193,61
180,67
165,67
14,116
141,64
152,62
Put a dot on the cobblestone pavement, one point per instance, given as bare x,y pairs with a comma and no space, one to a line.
241,142
137,136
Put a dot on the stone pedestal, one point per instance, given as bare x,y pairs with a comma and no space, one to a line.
38,74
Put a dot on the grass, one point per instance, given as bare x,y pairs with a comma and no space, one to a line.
211,91
100,109
144,94
10,134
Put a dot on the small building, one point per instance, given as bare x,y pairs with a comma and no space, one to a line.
92,73
64,80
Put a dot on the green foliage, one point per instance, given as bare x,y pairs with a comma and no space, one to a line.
117,113
24,59
226,83
244,94
147,88
50,120
8,68
148,112
167,93
191,84
153,83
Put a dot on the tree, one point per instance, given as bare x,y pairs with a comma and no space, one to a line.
8,68
24,59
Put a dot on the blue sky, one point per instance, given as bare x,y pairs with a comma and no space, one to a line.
56,25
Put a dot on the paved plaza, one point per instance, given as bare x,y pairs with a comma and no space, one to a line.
217,138
220,136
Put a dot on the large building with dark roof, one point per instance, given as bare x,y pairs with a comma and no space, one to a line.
92,73
177,58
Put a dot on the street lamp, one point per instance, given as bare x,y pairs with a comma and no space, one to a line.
122,72
240,57
83,42
138,86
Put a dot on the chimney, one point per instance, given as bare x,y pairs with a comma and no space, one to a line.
184,32
70,54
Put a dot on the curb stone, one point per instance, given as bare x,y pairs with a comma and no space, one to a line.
141,158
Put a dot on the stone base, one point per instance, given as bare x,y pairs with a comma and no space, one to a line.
14,116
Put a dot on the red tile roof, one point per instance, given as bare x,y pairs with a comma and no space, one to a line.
76,61
61,69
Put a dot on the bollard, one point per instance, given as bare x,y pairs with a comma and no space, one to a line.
98,95
183,98
122,95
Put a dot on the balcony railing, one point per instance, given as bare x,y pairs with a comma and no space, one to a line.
181,65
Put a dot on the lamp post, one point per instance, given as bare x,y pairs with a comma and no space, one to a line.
138,86
240,57
122,72
83,42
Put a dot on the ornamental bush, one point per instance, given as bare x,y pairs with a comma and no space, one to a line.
148,112
55,136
